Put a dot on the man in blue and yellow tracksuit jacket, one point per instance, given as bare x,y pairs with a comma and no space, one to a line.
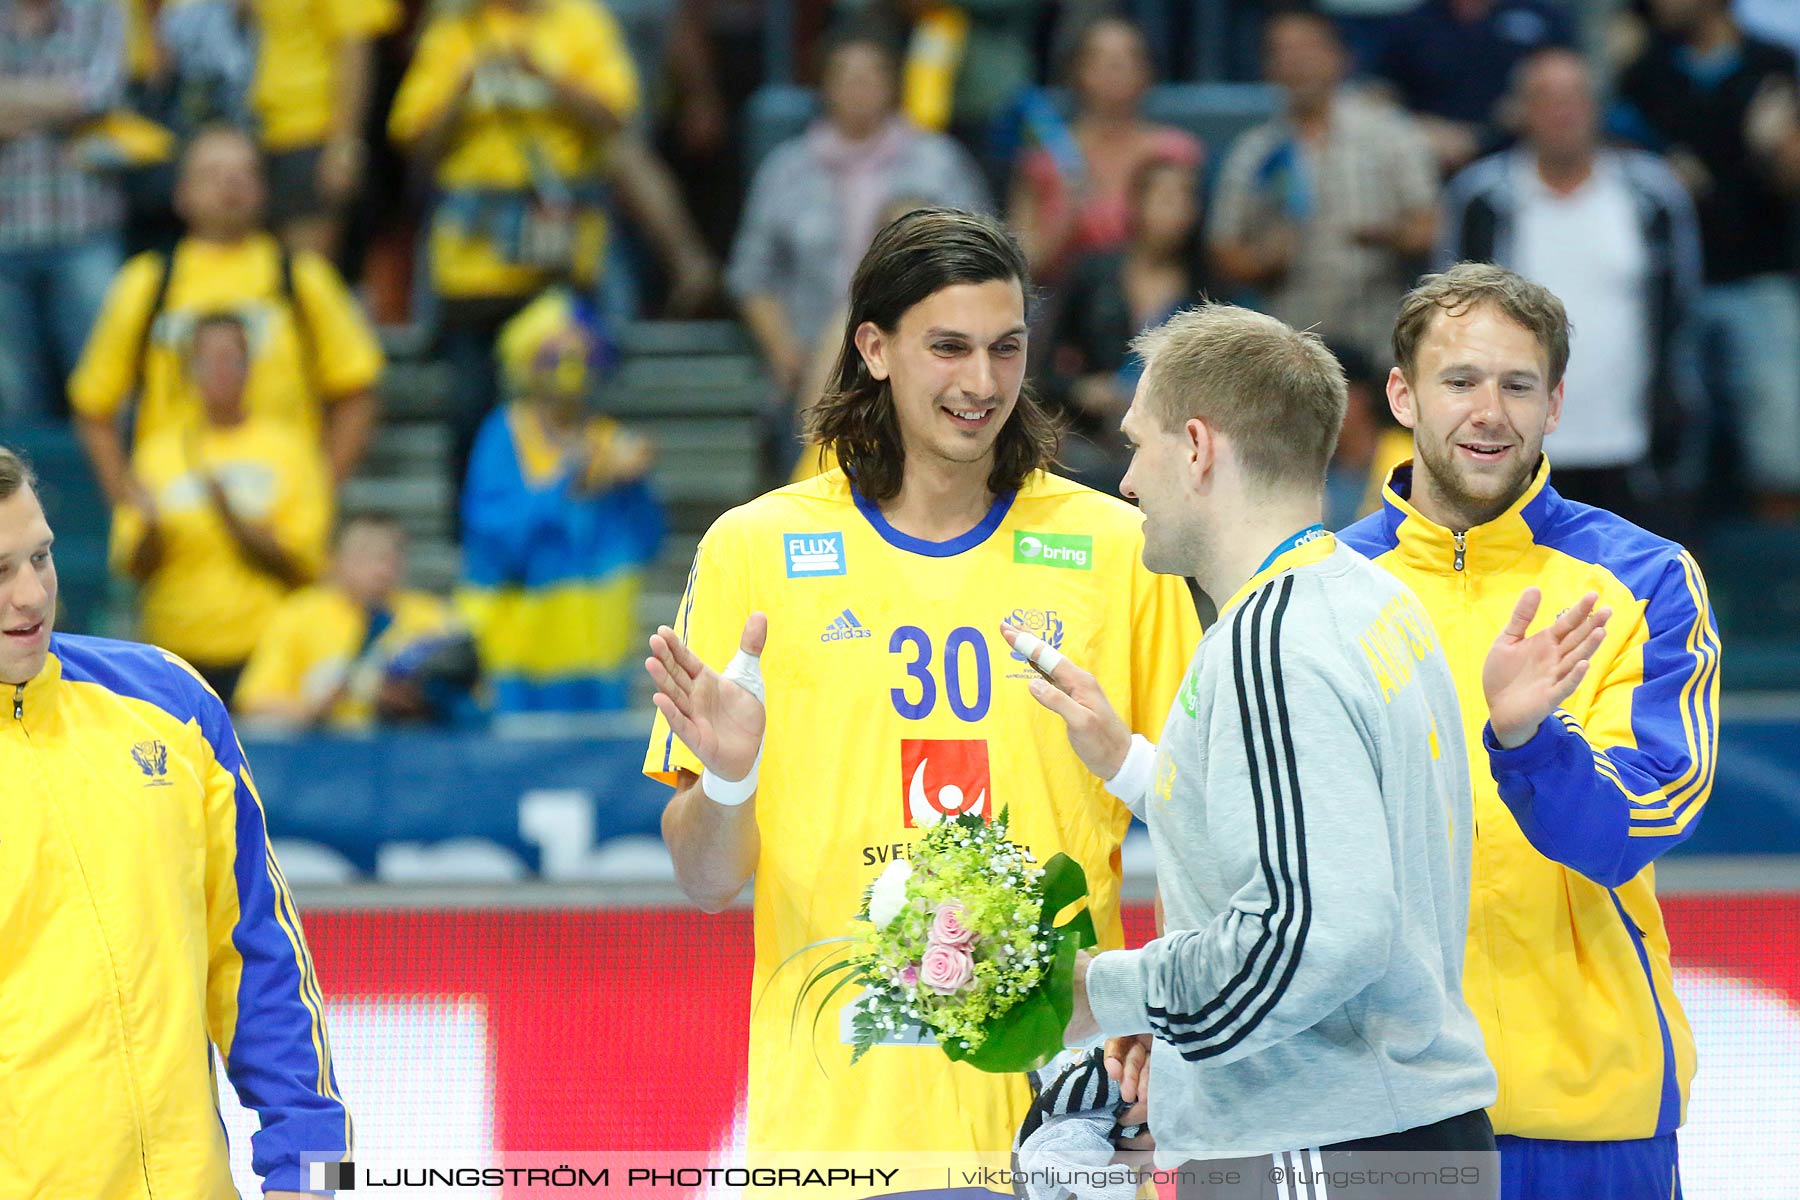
1568,961
143,919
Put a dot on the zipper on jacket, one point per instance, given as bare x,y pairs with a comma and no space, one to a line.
18,702
1462,546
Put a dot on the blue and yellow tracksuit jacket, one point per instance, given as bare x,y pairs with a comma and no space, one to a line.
144,921
1568,961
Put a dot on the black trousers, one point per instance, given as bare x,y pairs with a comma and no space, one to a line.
1452,1159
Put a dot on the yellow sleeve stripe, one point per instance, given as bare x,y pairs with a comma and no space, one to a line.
288,916
1697,704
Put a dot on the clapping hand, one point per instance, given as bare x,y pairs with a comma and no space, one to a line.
1526,678
719,720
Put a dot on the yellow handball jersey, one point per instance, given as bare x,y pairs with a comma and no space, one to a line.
891,695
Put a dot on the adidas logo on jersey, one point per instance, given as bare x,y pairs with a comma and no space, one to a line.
845,628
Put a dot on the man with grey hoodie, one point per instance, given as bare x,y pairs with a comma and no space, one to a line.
1309,804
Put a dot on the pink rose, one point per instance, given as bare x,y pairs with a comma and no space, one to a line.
946,970
947,928
909,975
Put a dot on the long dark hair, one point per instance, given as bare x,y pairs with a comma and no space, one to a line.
914,257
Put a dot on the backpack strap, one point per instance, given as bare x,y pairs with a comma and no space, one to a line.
165,268
302,324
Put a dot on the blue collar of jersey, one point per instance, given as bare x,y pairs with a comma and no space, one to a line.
1299,539
983,530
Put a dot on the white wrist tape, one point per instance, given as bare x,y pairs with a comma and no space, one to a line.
745,670
1134,776
1038,652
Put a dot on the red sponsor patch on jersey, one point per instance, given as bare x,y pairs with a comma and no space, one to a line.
944,778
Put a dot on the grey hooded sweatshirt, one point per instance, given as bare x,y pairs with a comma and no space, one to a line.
1312,820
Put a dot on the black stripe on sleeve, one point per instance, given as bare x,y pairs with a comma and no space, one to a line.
1270,752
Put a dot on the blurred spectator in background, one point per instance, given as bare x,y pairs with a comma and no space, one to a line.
315,73
234,514
1614,235
192,65
558,525
715,63
62,63
1722,106
206,67
651,196
1364,25
1775,20
1109,298
966,64
512,105
1070,192
1452,61
1370,444
351,650
816,202
1328,210
314,360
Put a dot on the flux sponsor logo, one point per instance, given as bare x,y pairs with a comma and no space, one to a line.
845,628
810,554
944,778
1070,551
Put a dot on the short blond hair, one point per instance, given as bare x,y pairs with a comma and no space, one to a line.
1278,393
1469,285
15,474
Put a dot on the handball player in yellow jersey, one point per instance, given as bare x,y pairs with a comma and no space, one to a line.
871,690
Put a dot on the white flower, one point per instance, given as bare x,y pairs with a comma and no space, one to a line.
889,894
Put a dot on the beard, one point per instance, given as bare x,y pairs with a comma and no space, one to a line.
1474,501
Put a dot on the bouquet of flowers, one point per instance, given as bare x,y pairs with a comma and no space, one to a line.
960,944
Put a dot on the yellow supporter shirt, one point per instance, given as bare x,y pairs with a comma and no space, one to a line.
509,119
296,66
315,642
341,354
206,602
891,693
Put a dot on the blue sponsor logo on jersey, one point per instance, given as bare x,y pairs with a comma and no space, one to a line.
1042,621
845,628
1045,624
810,554
152,758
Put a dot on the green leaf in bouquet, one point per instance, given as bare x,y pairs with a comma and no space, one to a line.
818,975
864,1033
783,965
1030,1033
813,1034
1065,883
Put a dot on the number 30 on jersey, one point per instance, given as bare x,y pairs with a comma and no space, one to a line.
964,667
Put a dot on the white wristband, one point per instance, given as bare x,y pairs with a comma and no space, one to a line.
1133,779
745,670
730,792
